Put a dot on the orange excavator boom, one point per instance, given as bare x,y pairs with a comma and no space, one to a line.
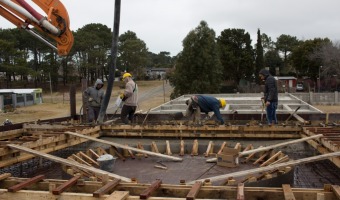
55,24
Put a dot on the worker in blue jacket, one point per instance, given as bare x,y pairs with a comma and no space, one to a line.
201,103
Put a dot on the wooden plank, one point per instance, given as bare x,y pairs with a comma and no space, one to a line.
61,188
209,149
168,148
194,191
262,157
98,172
28,182
272,146
124,147
271,159
270,167
240,191
222,147
287,192
118,195
147,192
194,151
181,153
336,190
93,153
93,162
154,147
4,176
106,188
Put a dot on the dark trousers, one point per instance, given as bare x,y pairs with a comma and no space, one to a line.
271,113
93,113
127,113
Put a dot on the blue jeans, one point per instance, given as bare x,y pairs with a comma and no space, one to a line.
271,113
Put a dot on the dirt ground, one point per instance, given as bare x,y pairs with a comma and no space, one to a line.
151,94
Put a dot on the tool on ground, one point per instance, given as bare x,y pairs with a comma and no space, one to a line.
263,104
291,115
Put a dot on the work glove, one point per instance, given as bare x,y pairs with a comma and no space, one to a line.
121,96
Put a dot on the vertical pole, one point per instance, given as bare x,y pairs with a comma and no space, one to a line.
83,88
112,67
73,101
163,91
49,75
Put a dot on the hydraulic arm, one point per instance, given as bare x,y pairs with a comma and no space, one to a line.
55,25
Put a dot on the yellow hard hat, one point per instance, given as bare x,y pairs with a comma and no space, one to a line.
126,75
223,103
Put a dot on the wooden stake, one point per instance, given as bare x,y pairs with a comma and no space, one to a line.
181,153
194,151
287,192
168,149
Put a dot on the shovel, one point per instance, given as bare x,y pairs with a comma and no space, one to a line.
262,100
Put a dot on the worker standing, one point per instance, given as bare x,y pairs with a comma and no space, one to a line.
200,103
270,96
130,98
93,99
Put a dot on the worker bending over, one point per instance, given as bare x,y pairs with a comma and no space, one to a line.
200,103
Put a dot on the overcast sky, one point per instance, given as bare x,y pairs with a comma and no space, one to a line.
163,24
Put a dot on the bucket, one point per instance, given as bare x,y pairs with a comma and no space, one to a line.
106,162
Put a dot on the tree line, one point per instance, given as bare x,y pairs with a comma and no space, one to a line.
206,62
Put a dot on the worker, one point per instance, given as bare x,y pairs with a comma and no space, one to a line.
7,122
93,99
270,97
200,103
130,98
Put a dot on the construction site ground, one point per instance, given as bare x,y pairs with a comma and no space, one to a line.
152,94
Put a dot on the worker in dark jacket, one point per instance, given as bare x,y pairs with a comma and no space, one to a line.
93,97
200,103
270,95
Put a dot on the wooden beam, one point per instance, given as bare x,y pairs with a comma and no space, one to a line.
124,147
28,182
280,144
272,146
168,148
336,190
4,176
194,191
271,159
106,188
61,188
209,149
118,195
271,167
222,147
240,191
181,153
99,172
287,192
154,147
194,151
147,192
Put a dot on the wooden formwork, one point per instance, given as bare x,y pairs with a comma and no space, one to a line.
39,188
330,142
44,138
